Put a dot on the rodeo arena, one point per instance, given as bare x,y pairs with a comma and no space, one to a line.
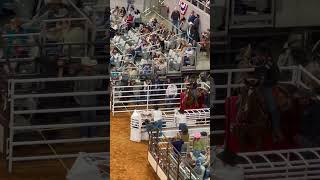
53,90
160,121
265,66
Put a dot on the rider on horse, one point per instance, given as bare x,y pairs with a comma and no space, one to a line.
268,73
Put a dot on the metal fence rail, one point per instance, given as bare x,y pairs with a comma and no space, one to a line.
140,97
290,164
15,96
166,163
293,164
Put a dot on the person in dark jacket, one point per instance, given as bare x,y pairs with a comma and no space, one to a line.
175,17
269,74
192,17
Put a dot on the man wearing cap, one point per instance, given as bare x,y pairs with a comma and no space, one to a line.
88,66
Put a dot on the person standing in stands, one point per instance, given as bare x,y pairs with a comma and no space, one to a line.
196,22
158,119
175,17
183,27
88,66
192,17
269,74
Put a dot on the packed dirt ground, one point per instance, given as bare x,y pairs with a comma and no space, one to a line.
128,159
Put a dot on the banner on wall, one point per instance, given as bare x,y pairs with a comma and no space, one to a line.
183,7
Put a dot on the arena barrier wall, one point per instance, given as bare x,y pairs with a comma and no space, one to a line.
18,125
124,99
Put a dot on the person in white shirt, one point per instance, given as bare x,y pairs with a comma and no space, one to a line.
181,119
158,119
227,169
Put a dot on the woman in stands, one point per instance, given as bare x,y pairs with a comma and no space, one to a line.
122,12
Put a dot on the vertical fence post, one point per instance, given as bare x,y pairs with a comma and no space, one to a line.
148,88
113,94
11,124
178,166
229,84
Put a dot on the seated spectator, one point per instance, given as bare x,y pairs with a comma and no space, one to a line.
115,11
198,145
129,21
177,144
199,168
122,12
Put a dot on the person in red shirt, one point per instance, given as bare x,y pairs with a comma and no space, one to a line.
129,21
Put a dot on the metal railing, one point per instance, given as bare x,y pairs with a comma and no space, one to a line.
201,4
129,98
16,94
290,164
295,164
165,159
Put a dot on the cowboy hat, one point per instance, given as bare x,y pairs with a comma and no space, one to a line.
87,61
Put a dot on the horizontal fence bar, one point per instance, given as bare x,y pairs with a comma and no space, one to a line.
58,94
50,157
78,78
64,126
41,111
60,141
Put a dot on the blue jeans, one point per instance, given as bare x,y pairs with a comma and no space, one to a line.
175,25
272,108
158,125
182,125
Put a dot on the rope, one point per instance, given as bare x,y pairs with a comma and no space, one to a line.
54,152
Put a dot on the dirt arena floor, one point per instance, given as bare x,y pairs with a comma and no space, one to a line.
128,159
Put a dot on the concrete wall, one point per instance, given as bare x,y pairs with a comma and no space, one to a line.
204,17
123,3
291,13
